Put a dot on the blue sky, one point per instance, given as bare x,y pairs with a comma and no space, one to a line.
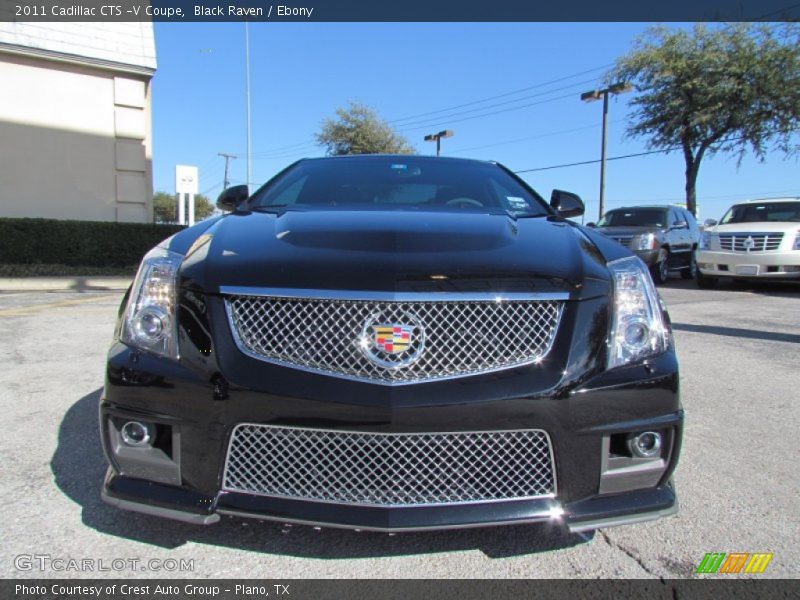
301,72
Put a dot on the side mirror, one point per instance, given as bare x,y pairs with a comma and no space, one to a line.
230,198
567,204
710,222
591,225
681,225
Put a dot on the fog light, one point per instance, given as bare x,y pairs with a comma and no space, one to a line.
137,434
646,444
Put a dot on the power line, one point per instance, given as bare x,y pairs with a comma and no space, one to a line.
447,118
529,138
661,151
213,187
311,143
496,112
300,150
286,148
504,95
592,162
301,153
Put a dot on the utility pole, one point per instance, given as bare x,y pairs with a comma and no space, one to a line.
227,157
591,96
437,137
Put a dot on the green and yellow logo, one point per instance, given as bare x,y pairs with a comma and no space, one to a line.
734,562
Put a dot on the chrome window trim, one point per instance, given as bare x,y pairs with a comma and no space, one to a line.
551,453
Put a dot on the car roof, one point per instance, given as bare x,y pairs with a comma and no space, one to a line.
345,157
760,200
648,206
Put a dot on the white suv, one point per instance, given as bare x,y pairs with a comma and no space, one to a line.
756,239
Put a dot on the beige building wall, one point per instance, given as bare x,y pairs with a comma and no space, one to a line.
75,139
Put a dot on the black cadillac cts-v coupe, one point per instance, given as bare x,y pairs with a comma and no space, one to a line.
393,343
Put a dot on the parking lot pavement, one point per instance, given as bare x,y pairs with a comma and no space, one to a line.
738,481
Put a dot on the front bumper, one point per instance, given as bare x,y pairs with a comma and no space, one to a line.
767,265
649,257
185,480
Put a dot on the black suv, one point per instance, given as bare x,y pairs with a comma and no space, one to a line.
393,343
664,237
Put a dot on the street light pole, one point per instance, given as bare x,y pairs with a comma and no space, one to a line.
591,96
602,208
437,137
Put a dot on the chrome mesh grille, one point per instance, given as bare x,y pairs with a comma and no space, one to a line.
448,338
624,240
760,241
389,469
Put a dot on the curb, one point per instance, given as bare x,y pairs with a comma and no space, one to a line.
67,284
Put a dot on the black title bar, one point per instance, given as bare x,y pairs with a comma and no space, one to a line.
388,589
180,11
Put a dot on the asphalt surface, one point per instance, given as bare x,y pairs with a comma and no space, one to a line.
738,480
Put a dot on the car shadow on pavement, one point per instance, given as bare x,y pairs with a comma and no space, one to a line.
81,285
752,334
779,289
78,467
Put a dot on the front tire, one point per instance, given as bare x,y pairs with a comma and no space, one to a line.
660,270
691,272
704,282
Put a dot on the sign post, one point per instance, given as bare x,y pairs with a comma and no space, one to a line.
187,182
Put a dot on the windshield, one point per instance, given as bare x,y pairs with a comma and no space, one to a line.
761,212
634,217
399,183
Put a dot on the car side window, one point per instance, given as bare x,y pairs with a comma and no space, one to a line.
289,195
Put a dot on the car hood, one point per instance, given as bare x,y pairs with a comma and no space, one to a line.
756,226
395,251
619,231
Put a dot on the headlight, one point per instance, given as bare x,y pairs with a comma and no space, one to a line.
705,241
796,241
149,322
638,329
646,241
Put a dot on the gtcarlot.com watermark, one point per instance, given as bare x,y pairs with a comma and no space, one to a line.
48,562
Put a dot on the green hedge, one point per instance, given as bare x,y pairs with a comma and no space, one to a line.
78,243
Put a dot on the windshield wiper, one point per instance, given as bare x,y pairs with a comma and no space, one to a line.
269,209
514,215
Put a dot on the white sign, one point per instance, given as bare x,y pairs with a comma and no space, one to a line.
187,179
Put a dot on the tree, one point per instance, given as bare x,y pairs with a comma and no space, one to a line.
705,91
359,130
165,208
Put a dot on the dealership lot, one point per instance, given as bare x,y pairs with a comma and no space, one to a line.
738,481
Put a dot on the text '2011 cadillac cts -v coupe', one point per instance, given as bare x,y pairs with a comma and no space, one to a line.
393,343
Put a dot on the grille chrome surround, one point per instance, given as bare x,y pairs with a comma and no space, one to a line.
461,337
389,469
762,242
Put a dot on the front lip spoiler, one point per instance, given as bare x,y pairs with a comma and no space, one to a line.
160,511
582,526
595,513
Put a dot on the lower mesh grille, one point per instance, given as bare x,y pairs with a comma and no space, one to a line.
389,469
